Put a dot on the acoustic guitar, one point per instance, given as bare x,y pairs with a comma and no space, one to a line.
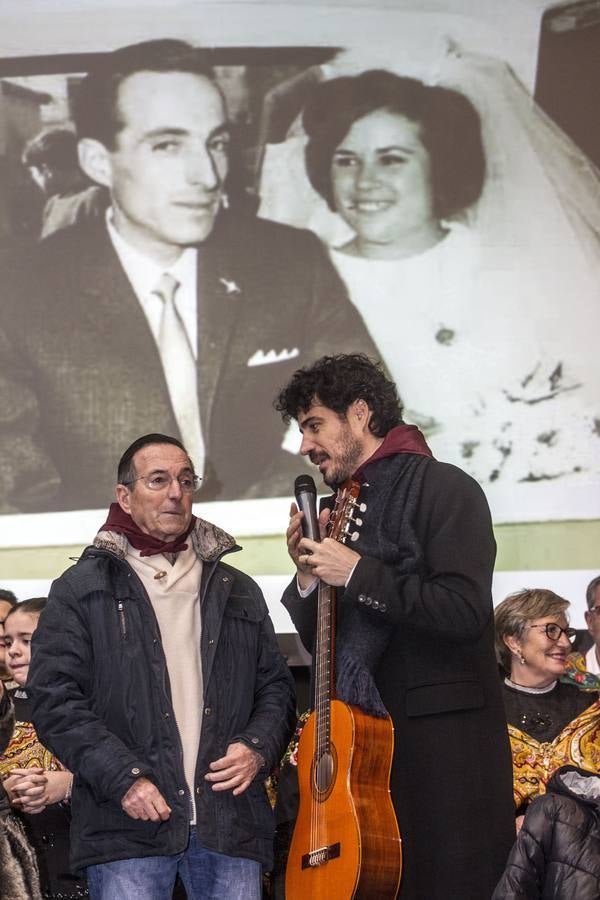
346,843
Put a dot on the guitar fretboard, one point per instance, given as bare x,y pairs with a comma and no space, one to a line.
325,667
339,529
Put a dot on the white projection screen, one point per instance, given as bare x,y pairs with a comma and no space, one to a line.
491,334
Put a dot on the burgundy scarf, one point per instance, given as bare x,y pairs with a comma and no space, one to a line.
121,522
401,439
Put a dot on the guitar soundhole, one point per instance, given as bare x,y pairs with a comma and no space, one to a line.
324,772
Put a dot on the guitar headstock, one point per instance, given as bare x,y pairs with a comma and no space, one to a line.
344,522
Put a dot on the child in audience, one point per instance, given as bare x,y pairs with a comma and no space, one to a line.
37,784
19,879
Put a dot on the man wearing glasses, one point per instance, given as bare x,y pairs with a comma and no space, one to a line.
592,618
157,678
583,664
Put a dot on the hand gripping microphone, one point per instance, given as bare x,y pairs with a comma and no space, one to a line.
306,498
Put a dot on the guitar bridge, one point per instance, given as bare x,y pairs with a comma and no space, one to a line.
320,856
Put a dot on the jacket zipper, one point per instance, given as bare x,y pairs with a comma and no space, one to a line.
122,621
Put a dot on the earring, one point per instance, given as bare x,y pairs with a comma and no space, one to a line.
522,659
224,201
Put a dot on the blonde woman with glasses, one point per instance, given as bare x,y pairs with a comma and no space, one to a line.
551,723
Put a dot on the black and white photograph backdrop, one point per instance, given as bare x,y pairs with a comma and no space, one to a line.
443,159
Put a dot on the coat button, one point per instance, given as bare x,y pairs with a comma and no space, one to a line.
382,607
211,642
368,601
225,578
375,604
361,598
255,740
135,771
208,711
166,715
198,790
181,792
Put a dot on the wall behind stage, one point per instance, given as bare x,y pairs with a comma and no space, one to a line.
508,385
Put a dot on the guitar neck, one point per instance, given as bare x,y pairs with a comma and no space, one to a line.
325,664
339,528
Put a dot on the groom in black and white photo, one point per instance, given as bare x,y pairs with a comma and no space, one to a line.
170,314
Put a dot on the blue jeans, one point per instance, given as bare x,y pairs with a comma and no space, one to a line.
206,875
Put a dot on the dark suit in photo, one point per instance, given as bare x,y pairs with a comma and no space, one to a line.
81,376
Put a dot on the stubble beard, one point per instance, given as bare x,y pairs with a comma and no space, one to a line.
346,463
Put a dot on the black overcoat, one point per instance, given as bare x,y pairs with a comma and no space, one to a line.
451,776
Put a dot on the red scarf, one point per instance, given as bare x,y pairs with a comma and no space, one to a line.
401,439
121,522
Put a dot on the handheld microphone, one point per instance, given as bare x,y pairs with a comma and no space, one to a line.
306,497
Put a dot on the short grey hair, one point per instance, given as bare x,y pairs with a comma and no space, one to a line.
590,593
518,610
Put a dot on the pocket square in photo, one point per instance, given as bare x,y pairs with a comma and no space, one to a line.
260,358
230,286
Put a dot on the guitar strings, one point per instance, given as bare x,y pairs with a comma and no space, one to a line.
324,681
322,699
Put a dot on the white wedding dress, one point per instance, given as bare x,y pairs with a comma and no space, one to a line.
492,334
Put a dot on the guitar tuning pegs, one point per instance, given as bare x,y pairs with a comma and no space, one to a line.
354,536
362,507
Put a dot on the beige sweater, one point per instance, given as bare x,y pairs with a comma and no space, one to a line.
175,599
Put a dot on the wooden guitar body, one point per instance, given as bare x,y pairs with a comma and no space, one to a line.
346,842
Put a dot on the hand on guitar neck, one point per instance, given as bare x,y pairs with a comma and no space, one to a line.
328,559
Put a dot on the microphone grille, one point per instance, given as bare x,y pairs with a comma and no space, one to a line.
305,483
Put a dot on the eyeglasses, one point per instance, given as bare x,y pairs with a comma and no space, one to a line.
554,631
160,481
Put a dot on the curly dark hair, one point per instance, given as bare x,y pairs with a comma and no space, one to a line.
336,382
96,107
450,131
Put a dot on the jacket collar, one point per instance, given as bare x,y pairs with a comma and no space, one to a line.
208,541
581,784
